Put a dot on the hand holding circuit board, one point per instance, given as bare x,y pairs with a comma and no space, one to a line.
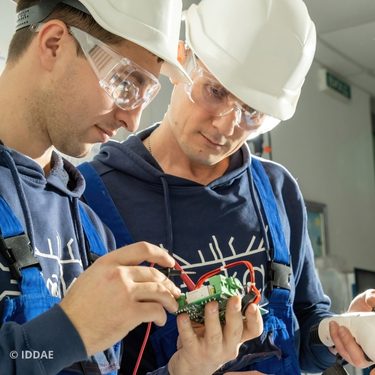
229,311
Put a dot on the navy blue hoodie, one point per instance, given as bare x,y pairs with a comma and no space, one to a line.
207,226
47,208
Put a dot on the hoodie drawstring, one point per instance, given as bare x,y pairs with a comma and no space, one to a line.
168,215
84,250
21,194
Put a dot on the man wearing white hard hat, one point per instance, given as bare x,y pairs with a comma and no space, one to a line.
76,72
191,185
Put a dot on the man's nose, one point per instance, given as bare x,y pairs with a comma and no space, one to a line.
129,119
226,124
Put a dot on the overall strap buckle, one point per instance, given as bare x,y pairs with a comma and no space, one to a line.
18,253
279,275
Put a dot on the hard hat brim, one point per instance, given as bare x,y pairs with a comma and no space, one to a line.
143,35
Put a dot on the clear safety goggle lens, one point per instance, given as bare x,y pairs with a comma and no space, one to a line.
215,99
128,84
210,95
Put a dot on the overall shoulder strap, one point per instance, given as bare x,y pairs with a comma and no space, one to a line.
14,243
98,198
267,197
279,269
9,224
95,242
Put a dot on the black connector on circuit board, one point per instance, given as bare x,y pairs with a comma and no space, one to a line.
246,300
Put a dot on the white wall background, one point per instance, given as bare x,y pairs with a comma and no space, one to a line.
7,22
328,147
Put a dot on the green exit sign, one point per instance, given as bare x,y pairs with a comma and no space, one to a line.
338,85
333,84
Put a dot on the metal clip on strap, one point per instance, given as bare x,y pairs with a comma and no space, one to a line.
18,252
279,275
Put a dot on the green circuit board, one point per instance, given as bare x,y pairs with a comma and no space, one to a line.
219,288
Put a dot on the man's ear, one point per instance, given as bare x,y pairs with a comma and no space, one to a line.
51,38
181,52
181,57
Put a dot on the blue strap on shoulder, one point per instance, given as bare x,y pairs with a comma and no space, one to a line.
264,188
9,224
96,244
99,199
280,258
279,297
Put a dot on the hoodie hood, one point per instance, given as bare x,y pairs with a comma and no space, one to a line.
63,176
131,156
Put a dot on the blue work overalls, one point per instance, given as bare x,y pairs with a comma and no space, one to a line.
275,352
35,298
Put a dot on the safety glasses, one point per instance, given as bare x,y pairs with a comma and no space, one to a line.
209,94
125,82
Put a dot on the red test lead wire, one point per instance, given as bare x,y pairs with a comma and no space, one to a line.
185,277
246,263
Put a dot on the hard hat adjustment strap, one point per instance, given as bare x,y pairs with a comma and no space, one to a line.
39,12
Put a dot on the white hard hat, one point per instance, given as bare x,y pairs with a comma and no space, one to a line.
259,50
154,25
